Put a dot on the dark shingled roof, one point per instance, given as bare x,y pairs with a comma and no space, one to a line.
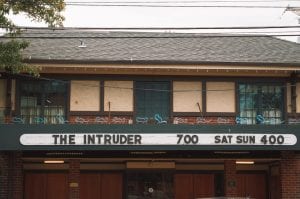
158,47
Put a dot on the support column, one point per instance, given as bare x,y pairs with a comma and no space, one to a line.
4,175
74,178
11,175
230,178
290,175
16,175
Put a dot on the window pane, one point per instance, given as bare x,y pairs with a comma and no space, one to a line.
42,102
260,104
152,98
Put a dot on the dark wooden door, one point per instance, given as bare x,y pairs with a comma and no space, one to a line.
35,186
57,186
190,186
90,185
46,186
204,185
111,186
253,185
240,185
101,185
184,186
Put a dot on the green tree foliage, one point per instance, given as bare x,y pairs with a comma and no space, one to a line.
48,11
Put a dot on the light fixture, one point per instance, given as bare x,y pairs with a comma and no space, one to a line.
244,162
54,161
231,152
82,44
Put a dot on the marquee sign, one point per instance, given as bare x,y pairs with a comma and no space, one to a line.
149,137
231,139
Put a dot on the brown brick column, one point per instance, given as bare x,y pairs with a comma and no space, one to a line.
74,178
290,175
230,178
4,175
11,175
16,177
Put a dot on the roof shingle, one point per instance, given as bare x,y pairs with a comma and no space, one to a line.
164,47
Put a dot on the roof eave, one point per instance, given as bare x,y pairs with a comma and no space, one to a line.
161,62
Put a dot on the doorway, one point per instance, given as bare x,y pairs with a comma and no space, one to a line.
150,185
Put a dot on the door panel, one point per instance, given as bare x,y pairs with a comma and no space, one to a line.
101,185
240,185
256,185
190,186
204,185
184,186
57,184
35,186
46,186
89,185
253,185
111,186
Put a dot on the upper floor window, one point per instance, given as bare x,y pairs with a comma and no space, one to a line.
260,104
152,102
42,102
2,99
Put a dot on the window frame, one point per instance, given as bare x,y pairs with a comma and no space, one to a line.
17,113
261,84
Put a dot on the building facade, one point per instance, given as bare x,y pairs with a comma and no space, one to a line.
123,115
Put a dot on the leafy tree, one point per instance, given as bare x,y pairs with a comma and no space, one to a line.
48,11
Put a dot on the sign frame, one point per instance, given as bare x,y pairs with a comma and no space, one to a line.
10,136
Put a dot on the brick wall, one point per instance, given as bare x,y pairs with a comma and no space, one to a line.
4,175
16,175
204,120
290,175
230,178
74,179
100,120
11,175
129,120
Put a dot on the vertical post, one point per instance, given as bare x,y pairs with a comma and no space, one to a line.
290,175
108,112
8,104
293,93
74,178
230,178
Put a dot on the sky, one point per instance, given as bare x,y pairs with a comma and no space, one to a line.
96,16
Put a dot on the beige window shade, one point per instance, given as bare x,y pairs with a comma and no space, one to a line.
187,96
220,97
118,96
85,96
